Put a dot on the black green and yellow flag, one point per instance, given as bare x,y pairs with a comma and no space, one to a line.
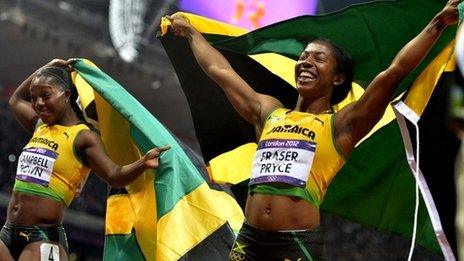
375,187
171,213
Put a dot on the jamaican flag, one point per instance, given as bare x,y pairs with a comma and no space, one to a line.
171,213
375,187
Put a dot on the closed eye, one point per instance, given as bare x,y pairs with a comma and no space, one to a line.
303,56
320,58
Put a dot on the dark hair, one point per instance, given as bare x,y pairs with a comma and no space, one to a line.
62,78
344,66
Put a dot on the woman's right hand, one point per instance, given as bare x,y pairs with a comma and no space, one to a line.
180,26
60,63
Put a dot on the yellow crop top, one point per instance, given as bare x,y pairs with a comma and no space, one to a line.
296,156
49,164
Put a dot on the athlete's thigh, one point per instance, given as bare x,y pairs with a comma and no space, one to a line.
38,251
4,252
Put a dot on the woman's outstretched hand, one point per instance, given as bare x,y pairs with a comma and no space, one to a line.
449,14
151,159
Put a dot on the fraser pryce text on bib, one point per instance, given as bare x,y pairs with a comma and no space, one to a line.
285,161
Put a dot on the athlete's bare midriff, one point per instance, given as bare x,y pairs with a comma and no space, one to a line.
274,213
28,209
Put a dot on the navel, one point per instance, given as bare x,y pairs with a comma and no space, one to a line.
15,207
267,210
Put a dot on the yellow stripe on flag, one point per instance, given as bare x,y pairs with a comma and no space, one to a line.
234,166
181,233
279,65
141,191
122,217
205,25
84,90
423,86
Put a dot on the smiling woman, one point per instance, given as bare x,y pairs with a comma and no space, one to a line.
54,164
50,102
282,209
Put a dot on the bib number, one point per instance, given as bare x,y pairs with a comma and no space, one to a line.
35,165
285,161
49,252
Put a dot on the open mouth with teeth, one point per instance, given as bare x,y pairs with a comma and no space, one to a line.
306,76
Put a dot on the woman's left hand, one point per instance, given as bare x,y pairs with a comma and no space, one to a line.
151,159
449,14
66,64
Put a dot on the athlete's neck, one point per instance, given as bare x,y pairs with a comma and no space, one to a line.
317,106
69,118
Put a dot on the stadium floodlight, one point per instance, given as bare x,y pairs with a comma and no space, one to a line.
126,24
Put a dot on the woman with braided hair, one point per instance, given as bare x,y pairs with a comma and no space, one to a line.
54,164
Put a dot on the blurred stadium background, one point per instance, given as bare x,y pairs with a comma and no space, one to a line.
123,44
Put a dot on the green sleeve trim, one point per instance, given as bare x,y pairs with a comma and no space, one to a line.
334,141
272,111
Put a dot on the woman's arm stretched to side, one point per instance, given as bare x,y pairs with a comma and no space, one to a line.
357,119
252,106
91,148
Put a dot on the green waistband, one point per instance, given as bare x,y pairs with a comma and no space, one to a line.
282,189
31,188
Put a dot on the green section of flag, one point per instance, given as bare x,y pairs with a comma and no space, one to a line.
461,11
372,33
138,227
122,247
177,176
376,188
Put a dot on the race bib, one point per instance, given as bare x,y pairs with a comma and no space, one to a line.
36,165
286,161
